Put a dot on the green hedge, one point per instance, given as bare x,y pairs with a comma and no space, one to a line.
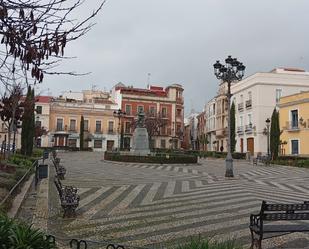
294,161
159,158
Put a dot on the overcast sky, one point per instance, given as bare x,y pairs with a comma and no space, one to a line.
178,41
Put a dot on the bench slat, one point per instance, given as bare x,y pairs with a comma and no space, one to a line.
286,207
285,216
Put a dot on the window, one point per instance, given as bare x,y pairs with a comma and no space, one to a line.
107,107
98,126
97,143
163,130
241,121
294,119
59,124
126,142
127,128
86,125
163,144
110,126
140,108
250,95
278,95
295,147
72,124
249,119
128,109
152,111
241,99
72,143
39,109
164,112
179,112
38,123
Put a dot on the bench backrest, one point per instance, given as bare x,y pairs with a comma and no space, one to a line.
273,212
58,186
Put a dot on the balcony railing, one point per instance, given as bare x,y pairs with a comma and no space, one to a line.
249,128
111,132
59,128
292,126
249,104
240,106
240,129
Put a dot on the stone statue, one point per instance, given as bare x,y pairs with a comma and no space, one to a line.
140,139
140,119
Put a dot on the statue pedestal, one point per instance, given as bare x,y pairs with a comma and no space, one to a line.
140,142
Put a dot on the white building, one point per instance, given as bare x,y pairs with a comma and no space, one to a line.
42,107
210,109
255,98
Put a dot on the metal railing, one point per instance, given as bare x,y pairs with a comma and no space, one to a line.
292,125
248,104
249,128
13,191
240,129
240,106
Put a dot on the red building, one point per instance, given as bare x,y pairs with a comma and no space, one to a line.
165,105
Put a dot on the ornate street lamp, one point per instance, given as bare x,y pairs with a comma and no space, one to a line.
119,114
232,71
268,136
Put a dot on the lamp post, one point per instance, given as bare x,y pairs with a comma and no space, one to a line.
268,133
119,114
232,71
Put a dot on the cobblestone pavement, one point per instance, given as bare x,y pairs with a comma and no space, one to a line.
144,204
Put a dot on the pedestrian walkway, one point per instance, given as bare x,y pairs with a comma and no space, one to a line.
145,204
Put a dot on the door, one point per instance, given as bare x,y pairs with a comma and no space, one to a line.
110,145
295,147
242,145
250,145
61,141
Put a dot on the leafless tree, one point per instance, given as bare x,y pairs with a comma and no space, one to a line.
35,33
153,123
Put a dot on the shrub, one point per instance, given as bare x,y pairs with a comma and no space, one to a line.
158,158
208,244
21,161
37,152
21,235
294,161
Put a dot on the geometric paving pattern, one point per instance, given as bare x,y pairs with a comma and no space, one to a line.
146,204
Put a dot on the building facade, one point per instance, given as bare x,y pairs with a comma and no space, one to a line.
100,124
201,131
42,112
210,113
155,102
255,98
294,124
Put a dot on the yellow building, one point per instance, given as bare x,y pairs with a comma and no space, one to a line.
294,124
100,124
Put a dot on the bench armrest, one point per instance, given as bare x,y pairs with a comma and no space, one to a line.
255,220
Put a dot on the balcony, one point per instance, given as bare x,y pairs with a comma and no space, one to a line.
240,130
292,126
111,132
249,104
249,128
240,107
98,132
220,133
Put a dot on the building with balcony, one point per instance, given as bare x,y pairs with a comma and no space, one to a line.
294,124
156,102
100,124
255,98
210,115
201,131
216,120
42,112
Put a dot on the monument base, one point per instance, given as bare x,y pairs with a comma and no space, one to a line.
140,142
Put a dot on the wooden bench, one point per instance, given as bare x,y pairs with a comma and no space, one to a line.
60,170
272,214
68,197
262,159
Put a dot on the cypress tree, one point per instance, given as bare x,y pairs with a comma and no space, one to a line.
26,122
31,132
233,133
81,133
274,135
